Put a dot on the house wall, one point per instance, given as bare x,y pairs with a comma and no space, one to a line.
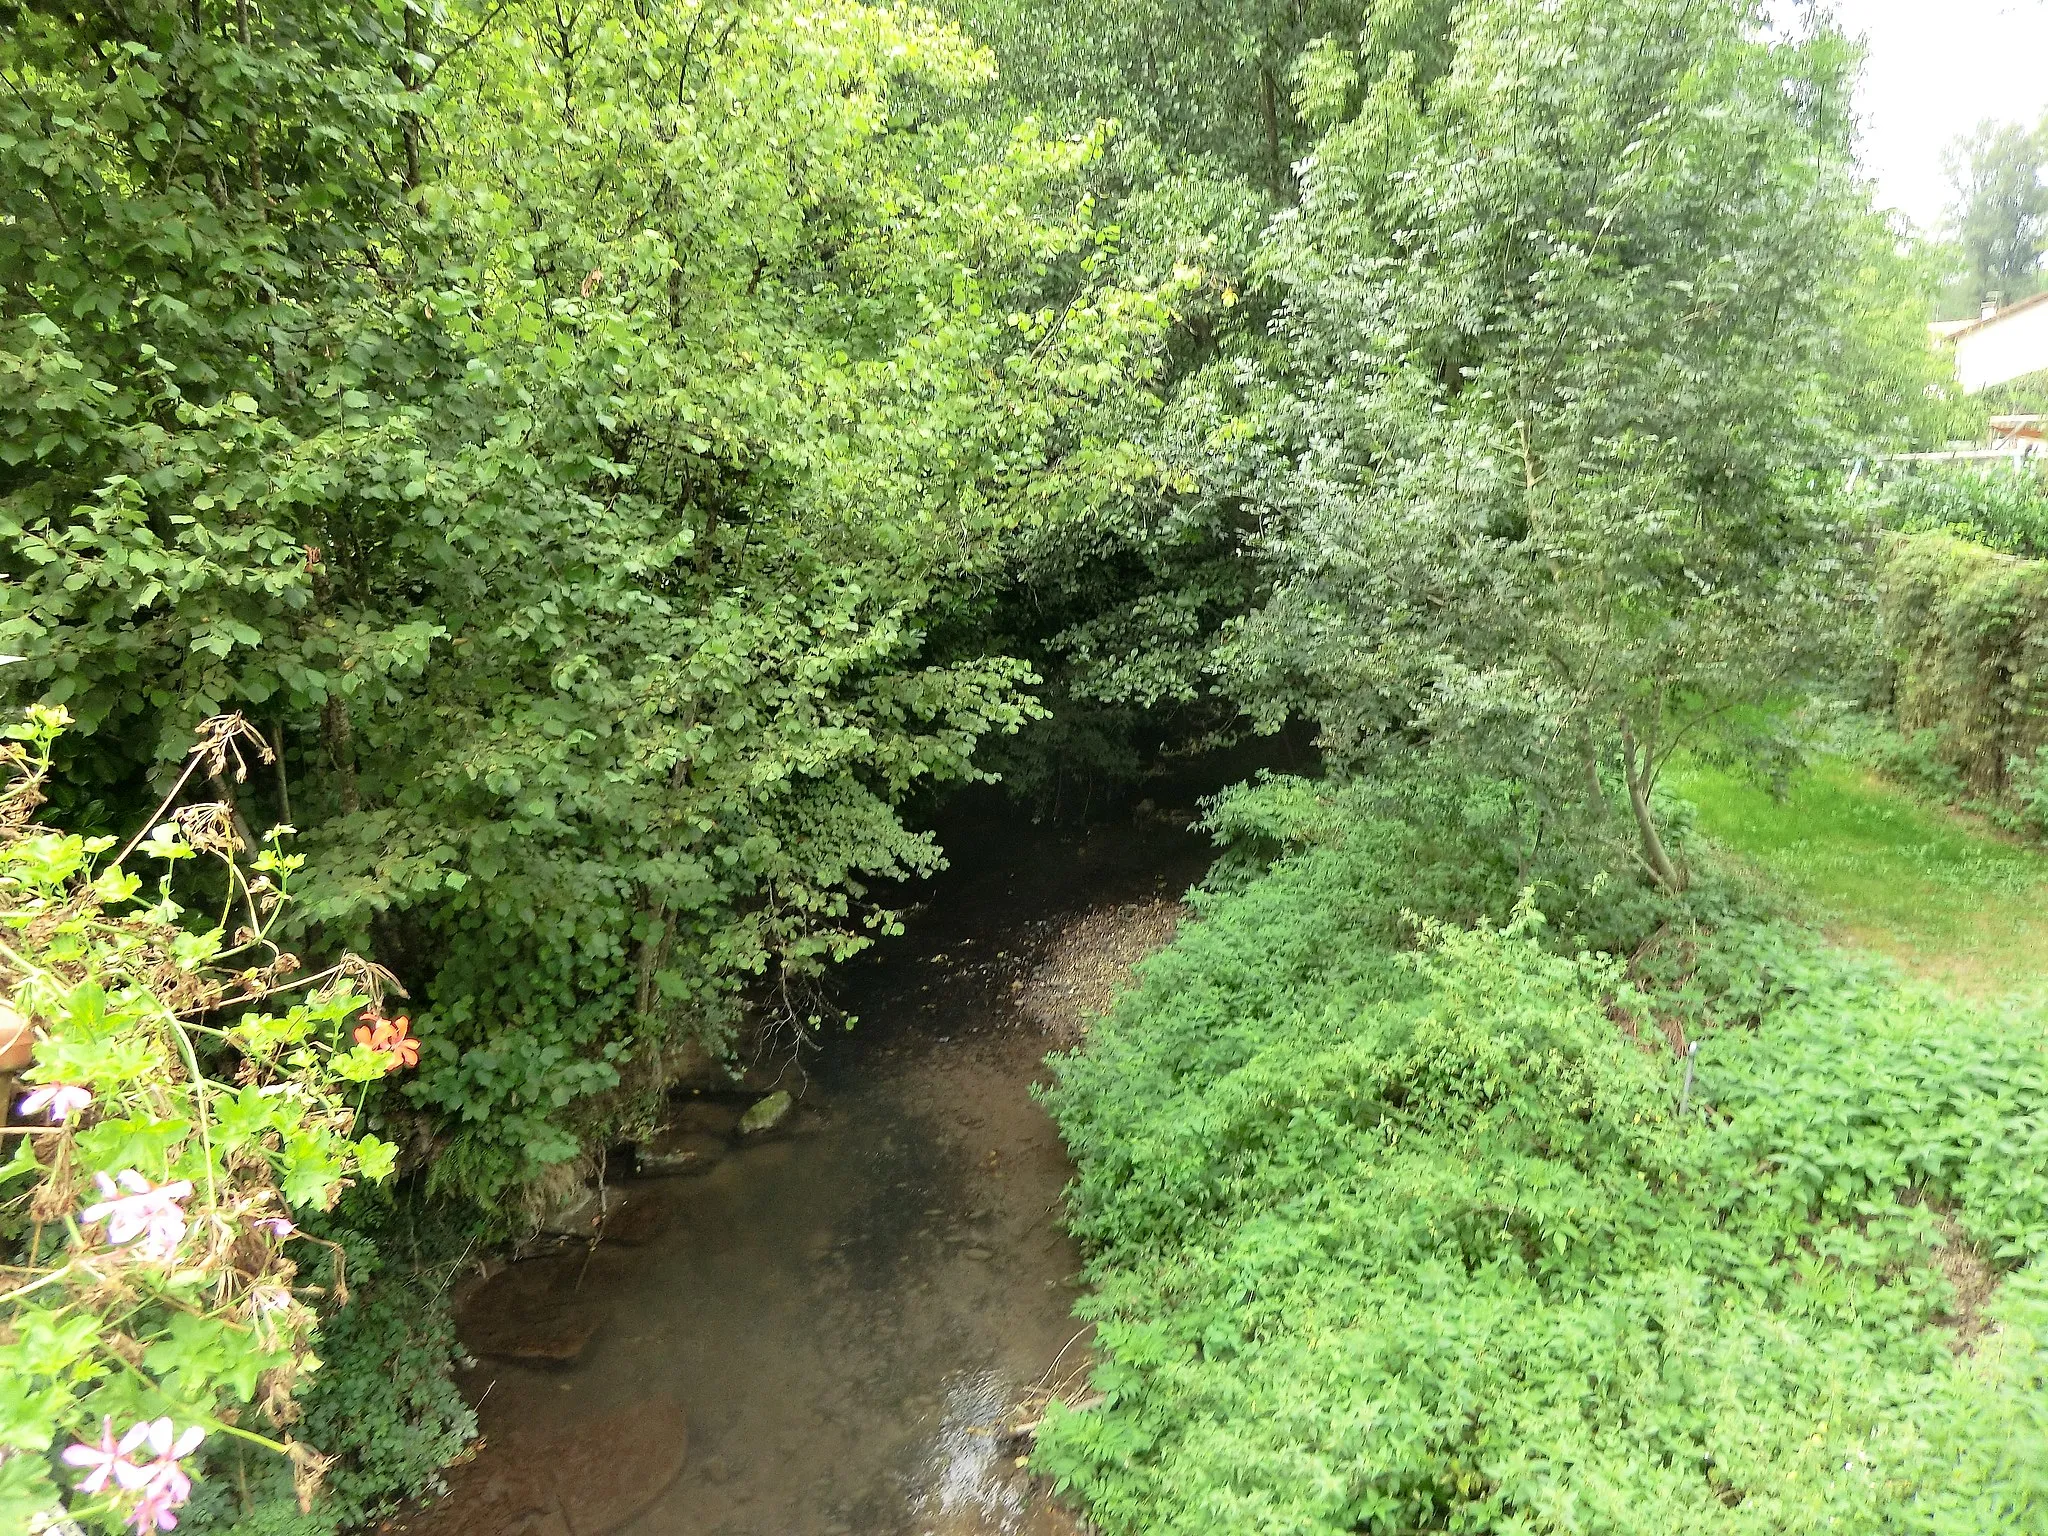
2005,347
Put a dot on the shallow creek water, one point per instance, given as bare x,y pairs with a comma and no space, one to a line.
845,1314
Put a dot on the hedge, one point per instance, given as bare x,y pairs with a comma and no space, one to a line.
1966,636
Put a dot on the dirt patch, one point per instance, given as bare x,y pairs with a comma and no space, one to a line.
1973,1281
1089,962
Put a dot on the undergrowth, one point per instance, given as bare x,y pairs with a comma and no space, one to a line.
1919,761
384,1396
2005,507
1397,1226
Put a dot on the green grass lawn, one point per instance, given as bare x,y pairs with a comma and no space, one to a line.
1949,899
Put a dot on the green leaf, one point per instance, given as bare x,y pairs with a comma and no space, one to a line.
376,1158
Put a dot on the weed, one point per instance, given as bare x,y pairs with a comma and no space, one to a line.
1400,1239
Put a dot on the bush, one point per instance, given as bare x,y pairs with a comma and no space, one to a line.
1966,636
1427,835
383,1398
1914,760
2003,508
1391,1241
2028,777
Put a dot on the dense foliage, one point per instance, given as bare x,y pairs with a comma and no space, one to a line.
1966,642
2003,507
1239,89
1398,1239
626,456
2000,215
563,428
1574,341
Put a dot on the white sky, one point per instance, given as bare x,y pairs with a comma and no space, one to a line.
1934,69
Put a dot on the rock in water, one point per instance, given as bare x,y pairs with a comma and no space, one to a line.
704,1117
532,1313
640,1220
576,1479
767,1114
581,1215
672,1154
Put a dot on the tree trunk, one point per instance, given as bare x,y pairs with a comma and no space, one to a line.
236,819
255,131
408,76
284,787
1269,108
1596,792
341,747
654,952
1637,770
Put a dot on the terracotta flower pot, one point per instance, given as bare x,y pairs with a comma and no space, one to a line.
17,1039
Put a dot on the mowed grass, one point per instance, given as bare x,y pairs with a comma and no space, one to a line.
1937,891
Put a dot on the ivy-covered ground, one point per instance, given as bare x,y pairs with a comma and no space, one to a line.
1400,1227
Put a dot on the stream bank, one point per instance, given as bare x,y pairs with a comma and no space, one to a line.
822,1332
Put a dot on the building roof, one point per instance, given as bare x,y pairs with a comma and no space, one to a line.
1973,326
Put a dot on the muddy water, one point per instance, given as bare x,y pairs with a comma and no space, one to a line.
846,1313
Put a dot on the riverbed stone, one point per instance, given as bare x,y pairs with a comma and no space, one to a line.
686,1153
556,1336
699,1116
767,1113
581,1215
531,1313
493,1491
609,1469
640,1220
574,1479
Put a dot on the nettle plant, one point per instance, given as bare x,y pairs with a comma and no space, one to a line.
189,1092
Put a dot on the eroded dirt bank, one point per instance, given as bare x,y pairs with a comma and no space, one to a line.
836,1316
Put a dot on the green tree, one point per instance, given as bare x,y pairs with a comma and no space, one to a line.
1215,110
1576,348
1245,85
2001,209
562,425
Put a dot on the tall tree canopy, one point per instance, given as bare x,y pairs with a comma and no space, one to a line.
1572,343
2001,208
560,426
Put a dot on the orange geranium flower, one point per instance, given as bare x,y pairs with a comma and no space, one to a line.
392,1038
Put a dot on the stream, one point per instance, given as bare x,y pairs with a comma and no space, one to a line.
822,1335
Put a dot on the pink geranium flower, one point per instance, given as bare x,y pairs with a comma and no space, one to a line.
57,1100
106,1459
164,1484
154,1511
153,1215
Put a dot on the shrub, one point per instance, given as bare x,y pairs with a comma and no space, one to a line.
2003,508
383,1401
1966,635
1389,1241
2028,777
